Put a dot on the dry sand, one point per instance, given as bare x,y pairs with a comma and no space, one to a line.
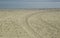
30,23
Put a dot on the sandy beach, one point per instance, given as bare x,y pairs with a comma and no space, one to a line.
30,23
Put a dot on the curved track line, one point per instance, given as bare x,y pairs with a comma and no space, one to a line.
32,29
37,35
41,20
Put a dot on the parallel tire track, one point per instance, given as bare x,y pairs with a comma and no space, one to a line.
37,35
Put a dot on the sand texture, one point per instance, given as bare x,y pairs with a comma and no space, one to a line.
30,23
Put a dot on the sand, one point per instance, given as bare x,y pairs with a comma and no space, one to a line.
30,23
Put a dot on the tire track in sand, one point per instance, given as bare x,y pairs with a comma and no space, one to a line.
37,35
28,28
31,29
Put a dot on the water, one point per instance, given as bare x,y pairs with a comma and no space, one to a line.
29,3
